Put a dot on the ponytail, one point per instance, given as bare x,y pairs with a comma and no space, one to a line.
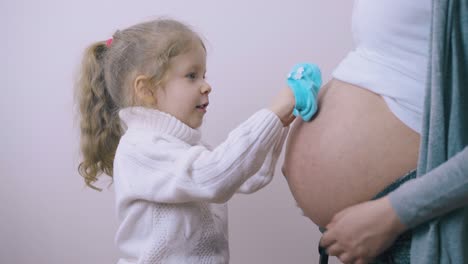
99,122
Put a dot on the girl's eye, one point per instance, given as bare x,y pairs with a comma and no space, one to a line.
192,75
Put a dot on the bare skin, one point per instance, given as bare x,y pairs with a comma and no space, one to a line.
353,149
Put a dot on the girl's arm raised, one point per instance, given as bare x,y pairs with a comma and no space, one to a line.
266,172
173,173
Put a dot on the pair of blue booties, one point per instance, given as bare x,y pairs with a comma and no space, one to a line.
305,80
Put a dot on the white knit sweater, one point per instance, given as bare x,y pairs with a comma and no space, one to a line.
171,189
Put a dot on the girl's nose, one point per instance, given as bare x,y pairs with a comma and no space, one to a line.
206,88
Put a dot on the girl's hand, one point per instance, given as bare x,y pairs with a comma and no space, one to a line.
283,106
361,232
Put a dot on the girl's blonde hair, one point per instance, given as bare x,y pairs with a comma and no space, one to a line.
104,85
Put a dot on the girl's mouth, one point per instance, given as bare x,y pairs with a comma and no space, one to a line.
202,107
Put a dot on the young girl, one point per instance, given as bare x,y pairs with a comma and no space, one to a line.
143,94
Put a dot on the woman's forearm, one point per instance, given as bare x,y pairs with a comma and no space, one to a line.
441,190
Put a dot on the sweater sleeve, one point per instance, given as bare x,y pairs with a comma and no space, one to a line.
200,174
441,190
266,172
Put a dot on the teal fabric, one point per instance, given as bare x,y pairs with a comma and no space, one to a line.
444,138
305,80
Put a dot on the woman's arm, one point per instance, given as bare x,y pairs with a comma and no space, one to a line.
442,190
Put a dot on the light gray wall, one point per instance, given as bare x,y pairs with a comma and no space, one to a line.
46,213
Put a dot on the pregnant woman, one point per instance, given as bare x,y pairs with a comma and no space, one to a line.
367,133
365,140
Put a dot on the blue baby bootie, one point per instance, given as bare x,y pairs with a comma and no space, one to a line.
305,80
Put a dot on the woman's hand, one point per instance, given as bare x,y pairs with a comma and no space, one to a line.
283,106
361,232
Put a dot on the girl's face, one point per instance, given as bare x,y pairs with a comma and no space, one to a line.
184,93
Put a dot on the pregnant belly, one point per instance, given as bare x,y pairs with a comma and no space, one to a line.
352,150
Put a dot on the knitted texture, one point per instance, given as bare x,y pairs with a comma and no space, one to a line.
305,80
171,190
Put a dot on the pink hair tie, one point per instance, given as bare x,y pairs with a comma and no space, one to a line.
109,42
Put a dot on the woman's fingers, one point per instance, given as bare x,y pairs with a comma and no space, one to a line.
361,232
347,258
327,239
335,250
362,261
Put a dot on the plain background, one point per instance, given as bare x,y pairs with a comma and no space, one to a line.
48,216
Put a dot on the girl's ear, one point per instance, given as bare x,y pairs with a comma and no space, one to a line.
143,91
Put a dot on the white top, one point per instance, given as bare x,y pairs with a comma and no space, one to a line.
170,189
391,54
